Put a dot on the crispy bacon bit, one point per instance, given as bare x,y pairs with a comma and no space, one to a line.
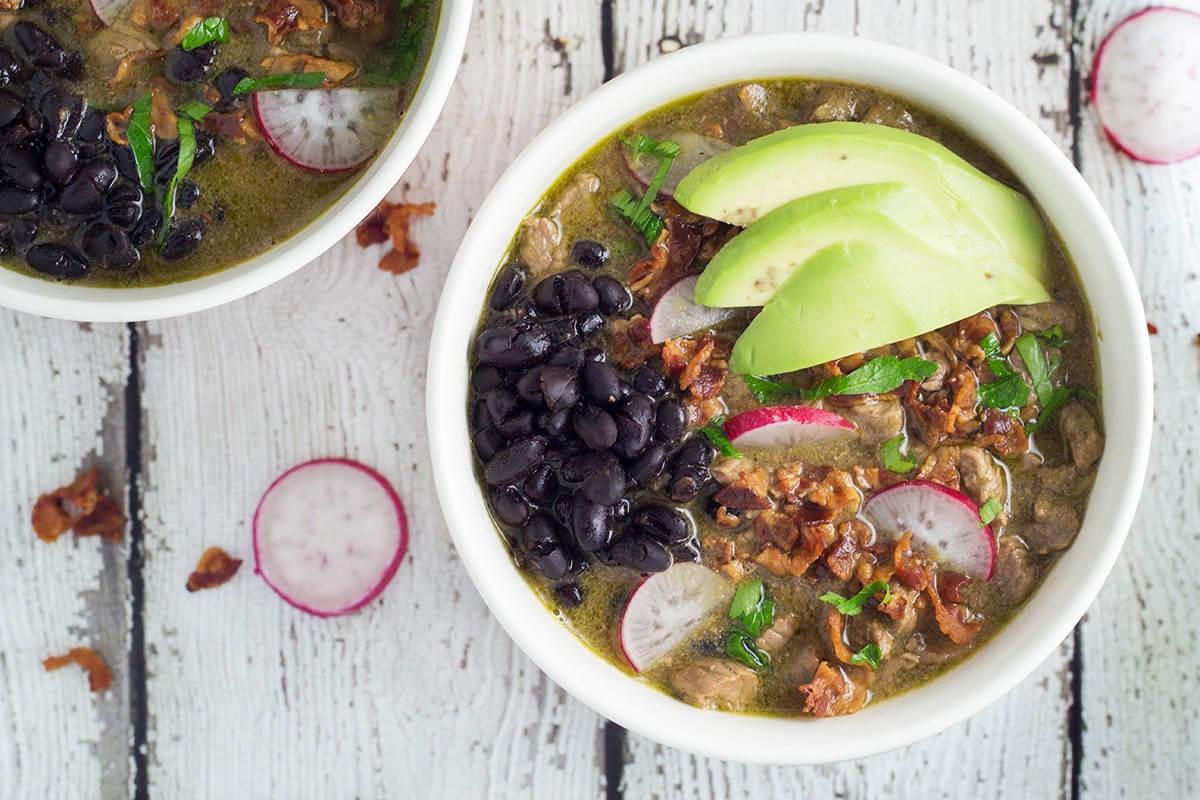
911,569
951,586
831,692
777,529
817,494
725,519
390,220
79,506
841,556
835,627
1152,329
356,13
1002,433
214,568
952,619
747,493
284,16
629,341
236,126
99,675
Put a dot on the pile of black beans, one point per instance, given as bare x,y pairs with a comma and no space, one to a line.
579,456
70,198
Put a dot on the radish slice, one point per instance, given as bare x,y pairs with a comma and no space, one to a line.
107,11
1146,85
667,607
329,535
944,524
783,426
694,149
327,130
677,313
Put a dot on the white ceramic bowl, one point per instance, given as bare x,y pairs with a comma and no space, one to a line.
91,304
1126,383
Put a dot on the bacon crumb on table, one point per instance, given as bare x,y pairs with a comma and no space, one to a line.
214,568
99,675
390,221
81,507
1152,328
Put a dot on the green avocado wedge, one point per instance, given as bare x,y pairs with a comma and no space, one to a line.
749,269
856,295
742,184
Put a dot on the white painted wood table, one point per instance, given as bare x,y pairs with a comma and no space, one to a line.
233,694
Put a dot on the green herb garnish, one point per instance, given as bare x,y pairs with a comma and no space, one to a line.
852,606
893,461
194,109
752,612
288,80
714,434
869,655
989,511
664,151
1040,369
1053,337
187,154
211,29
645,222
1009,391
141,141
877,376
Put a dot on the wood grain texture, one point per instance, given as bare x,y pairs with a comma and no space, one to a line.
1019,746
1141,687
420,693
61,404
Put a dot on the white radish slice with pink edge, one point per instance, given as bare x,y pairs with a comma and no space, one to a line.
785,426
329,535
668,607
1146,85
107,11
945,525
327,130
694,149
677,313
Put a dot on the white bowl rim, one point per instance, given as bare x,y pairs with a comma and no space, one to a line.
1049,615
96,304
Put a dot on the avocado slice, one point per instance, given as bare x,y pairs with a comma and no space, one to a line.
749,269
742,184
859,294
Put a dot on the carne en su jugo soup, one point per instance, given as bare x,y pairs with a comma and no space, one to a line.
785,399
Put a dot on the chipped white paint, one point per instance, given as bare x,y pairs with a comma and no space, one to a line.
422,694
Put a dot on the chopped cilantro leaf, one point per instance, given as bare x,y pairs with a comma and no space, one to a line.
1004,393
141,141
714,434
851,606
288,80
893,460
869,655
740,645
989,511
877,376
646,222
210,29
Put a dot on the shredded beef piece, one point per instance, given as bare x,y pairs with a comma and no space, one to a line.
721,553
1084,441
1015,573
831,692
235,126
982,478
214,568
540,244
99,675
779,633
390,220
629,341
878,418
715,683
281,17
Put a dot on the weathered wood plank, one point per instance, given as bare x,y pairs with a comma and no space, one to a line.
61,410
1141,689
1020,744
421,693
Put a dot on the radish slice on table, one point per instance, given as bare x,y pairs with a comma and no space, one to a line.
1146,85
694,149
667,607
944,523
107,11
783,426
329,535
677,313
327,130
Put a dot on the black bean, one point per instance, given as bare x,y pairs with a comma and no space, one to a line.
576,467
511,347
20,165
11,70
648,465
600,382
695,451
38,47
187,194
590,254
589,324
488,441
555,423
501,404
541,484
568,595
559,386
81,196
480,417
670,421
614,297
529,385
605,486
23,230
59,160
485,377
687,482
595,427
108,245
11,106
515,462
568,354
635,425
101,172
206,147
666,525
519,424
184,66
227,80
688,551
56,261
14,200
145,229
564,293
182,238
62,113
594,354
541,534
650,380
507,286
591,524
92,127
123,206
642,554
508,505
126,165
